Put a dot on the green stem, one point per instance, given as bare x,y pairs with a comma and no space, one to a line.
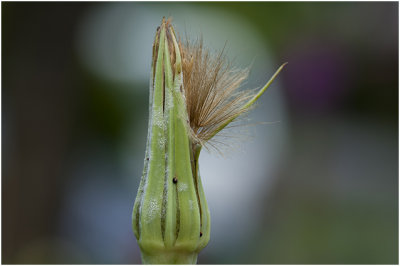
169,257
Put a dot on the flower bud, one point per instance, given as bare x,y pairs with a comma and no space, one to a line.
170,216
193,96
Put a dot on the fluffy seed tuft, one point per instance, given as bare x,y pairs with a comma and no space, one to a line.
211,90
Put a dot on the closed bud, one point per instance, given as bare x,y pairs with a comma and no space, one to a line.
170,216
193,96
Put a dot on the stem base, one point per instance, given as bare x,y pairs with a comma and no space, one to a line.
169,257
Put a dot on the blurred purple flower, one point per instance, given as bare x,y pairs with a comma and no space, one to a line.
317,78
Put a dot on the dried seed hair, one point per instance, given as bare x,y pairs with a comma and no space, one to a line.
211,88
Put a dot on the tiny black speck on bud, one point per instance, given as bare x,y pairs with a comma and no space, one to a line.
147,158
201,234
175,180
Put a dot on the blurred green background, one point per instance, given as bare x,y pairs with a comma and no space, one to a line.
318,185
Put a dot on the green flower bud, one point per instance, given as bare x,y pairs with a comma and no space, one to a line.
170,216
192,98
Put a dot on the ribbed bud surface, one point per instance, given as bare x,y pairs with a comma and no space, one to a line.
170,215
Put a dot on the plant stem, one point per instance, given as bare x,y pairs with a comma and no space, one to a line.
169,257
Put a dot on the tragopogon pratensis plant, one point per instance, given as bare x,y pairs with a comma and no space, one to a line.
193,96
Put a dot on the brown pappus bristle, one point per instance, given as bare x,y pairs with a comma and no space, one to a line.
211,90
